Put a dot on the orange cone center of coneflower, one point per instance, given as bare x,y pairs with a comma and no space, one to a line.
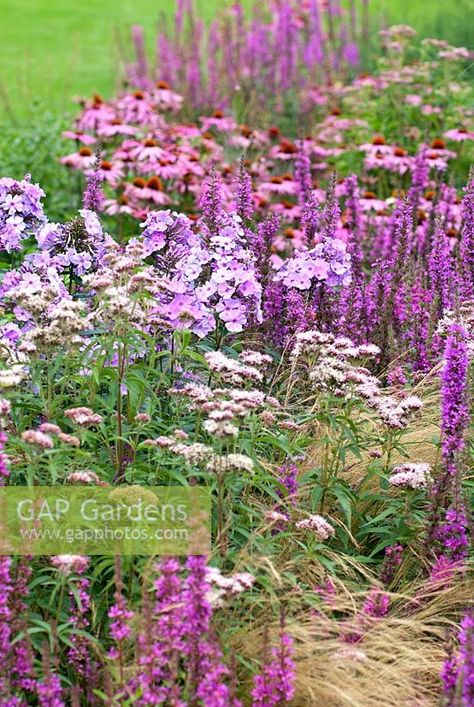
139,95
287,204
155,183
370,195
336,111
262,202
116,121
289,233
122,199
288,147
149,142
399,152
398,193
438,144
106,165
276,180
97,100
463,131
208,136
85,152
432,156
429,195
139,182
287,177
163,84
451,232
245,131
421,216
218,114
274,132
378,140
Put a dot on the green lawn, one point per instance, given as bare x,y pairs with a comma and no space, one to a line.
53,49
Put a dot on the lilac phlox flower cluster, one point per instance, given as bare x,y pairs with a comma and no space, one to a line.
79,244
321,527
327,262
233,289
204,275
179,257
412,476
21,212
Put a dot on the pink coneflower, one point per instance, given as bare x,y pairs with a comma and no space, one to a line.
459,134
83,159
219,121
79,137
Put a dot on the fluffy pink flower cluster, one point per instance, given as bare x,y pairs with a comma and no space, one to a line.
321,527
331,364
413,476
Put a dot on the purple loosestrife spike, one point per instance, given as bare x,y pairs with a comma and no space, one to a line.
440,269
454,402
354,226
6,589
275,685
466,655
392,561
49,690
332,212
376,604
310,218
457,674
141,66
23,671
244,194
4,470
93,198
211,201
205,670
272,311
419,180
288,478
303,174
466,247
402,233
161,640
